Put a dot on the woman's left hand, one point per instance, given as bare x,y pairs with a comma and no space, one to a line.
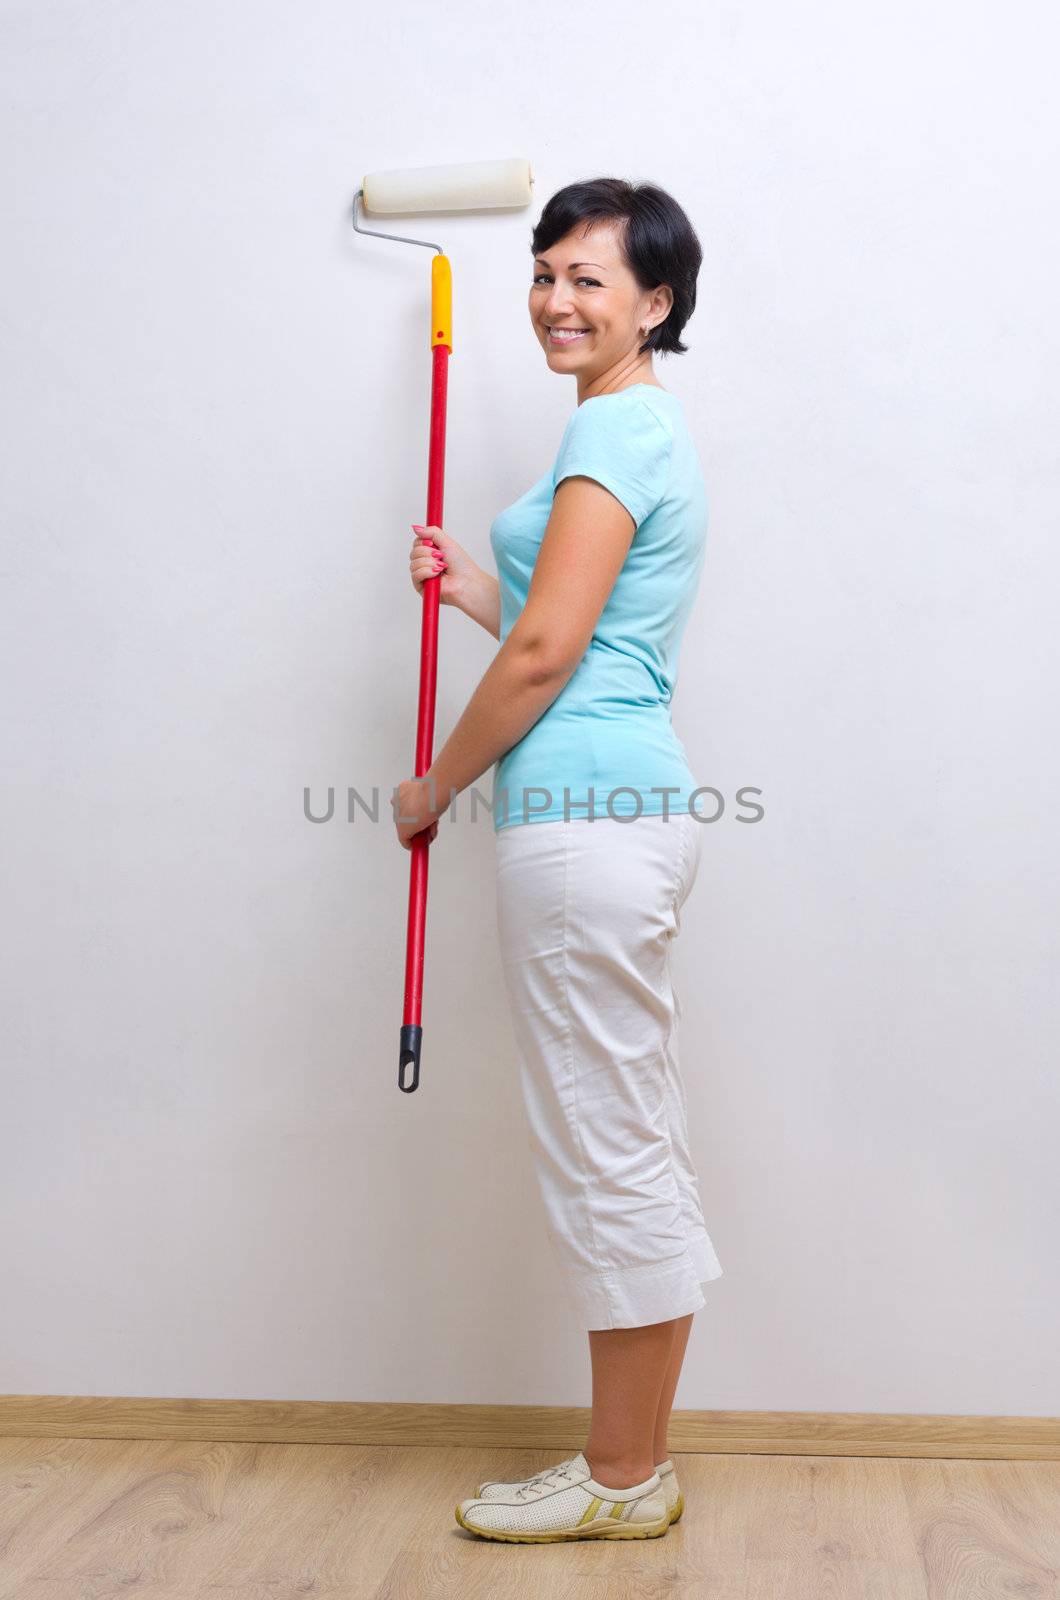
413,801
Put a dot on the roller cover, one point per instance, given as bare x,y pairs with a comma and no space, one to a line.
469,186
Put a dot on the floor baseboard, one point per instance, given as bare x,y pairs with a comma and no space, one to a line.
559,1428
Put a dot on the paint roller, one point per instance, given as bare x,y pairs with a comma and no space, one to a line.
466,186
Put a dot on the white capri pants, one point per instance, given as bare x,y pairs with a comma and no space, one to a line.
587,912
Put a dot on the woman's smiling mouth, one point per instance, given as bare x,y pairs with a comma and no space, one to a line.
566,335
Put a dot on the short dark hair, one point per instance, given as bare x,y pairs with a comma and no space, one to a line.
658,242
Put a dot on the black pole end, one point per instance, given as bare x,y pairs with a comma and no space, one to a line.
411,1039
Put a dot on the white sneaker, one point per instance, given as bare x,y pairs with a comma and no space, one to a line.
499,1488
566,1502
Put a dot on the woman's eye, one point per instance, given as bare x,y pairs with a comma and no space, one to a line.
593,281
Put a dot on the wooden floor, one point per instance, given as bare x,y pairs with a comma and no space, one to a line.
85,1518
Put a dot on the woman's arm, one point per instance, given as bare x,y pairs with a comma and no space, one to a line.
516,689
572,579
480,599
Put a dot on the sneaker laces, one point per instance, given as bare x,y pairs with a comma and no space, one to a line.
541,1480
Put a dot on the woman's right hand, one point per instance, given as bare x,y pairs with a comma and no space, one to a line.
432,546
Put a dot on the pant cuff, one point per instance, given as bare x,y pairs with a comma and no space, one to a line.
633,1297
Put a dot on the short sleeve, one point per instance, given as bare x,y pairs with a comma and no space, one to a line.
625,446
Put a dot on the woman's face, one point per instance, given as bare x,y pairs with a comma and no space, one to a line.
582,282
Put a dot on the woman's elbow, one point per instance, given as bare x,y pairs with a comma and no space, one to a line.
545,659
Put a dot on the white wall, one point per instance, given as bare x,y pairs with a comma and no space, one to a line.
215,413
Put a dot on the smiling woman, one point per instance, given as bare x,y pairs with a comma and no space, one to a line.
639,284
598,842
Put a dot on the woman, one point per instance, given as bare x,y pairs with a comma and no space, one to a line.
597,839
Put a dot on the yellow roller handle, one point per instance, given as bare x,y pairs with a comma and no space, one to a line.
441,302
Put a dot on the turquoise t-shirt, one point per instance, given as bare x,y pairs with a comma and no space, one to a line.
609,728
